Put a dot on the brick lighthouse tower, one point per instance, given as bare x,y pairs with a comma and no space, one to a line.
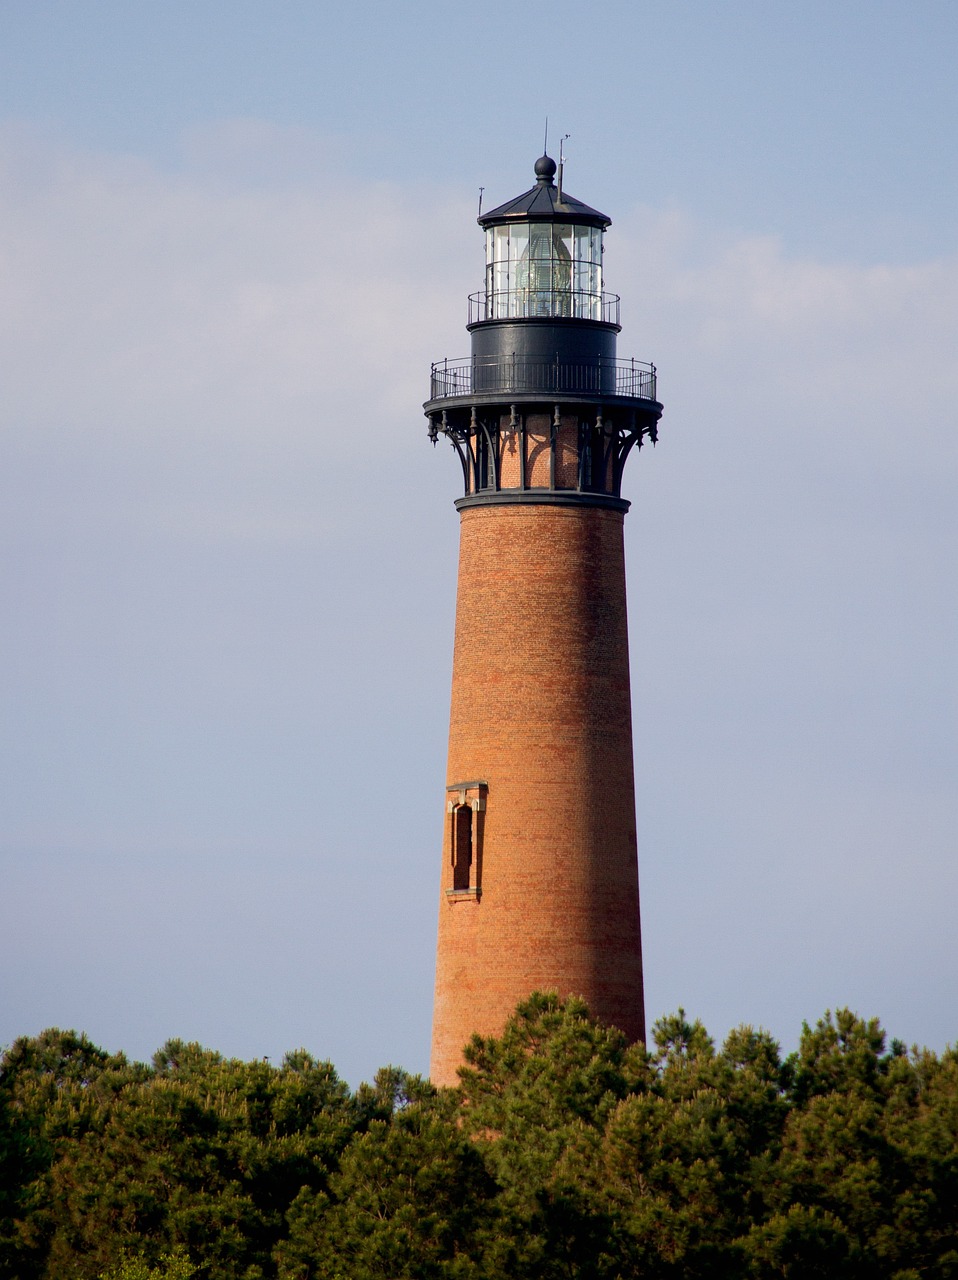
539,885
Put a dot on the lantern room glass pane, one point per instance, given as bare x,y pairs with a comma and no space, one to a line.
540,240
518,241
543,269
563,245
534,272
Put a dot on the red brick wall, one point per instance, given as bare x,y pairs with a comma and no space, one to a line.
541,714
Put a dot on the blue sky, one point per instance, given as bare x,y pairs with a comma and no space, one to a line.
232,238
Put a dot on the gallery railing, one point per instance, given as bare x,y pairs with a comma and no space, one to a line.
528,304
489,375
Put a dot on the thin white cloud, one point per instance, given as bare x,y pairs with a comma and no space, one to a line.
151,299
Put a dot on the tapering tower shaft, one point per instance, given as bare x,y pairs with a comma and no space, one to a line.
540,735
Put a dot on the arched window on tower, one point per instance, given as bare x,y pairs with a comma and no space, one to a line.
462,847
466,807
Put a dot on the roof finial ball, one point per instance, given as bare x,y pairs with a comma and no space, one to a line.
545,170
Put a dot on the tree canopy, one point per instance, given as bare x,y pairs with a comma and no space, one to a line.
565,1152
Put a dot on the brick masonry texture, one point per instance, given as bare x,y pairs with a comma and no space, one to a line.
541,713
538,438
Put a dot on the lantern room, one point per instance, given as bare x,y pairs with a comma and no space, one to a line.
543,255
543,265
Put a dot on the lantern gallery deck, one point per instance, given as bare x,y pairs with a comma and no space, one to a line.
515,374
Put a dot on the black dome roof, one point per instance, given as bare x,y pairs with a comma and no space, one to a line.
541,203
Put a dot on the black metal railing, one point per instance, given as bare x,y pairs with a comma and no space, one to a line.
478,375
546,304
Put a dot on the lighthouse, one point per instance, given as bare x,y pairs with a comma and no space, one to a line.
539,886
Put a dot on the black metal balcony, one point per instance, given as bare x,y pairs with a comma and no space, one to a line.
532,304
518,375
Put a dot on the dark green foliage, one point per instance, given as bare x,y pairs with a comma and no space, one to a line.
199,1152
404,1203
564,1153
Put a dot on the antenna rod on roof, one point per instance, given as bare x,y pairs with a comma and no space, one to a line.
545,140
562,161
481,189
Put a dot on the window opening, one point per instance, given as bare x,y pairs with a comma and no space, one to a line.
462,846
